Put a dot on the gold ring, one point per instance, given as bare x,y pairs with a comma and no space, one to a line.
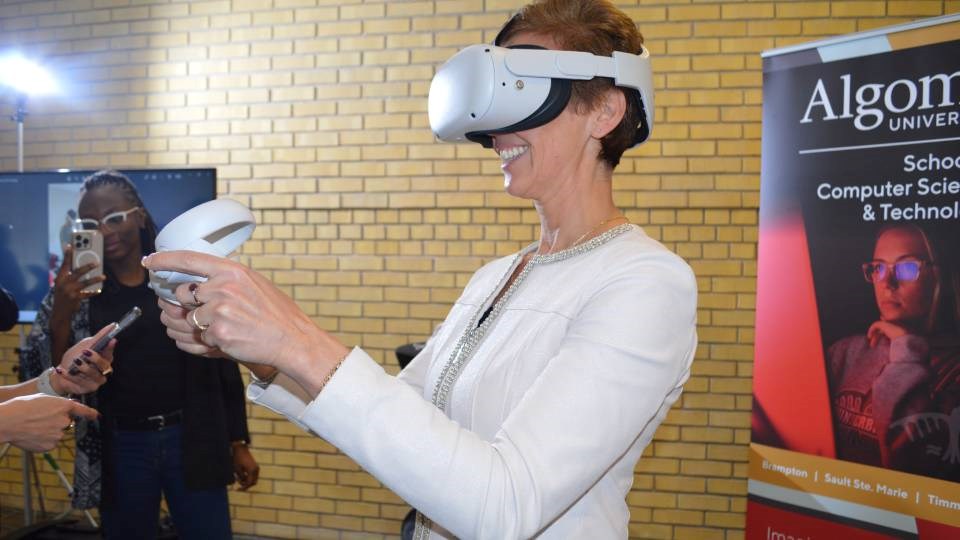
193,317
107,371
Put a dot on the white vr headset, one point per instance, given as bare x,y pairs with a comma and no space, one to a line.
485,90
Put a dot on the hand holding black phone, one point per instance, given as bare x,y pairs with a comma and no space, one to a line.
118,327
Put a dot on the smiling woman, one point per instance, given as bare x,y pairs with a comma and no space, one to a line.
570,351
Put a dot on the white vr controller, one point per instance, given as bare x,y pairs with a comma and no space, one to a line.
216,227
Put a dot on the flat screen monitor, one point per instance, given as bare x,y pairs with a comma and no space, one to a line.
37,208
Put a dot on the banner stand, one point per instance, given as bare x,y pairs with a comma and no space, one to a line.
856,417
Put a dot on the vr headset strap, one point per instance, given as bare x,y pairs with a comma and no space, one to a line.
576,65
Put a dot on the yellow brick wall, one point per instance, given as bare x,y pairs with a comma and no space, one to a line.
314,114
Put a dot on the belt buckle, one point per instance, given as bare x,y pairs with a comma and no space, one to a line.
158,418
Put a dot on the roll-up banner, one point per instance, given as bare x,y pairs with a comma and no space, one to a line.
856,412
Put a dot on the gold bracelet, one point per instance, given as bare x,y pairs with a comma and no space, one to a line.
330,374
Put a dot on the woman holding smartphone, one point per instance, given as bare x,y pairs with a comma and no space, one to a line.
170,425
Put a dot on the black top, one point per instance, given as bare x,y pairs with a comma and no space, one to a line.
148,368
152,376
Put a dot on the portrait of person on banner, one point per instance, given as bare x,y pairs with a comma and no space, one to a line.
895,387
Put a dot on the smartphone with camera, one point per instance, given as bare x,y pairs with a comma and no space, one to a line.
87,249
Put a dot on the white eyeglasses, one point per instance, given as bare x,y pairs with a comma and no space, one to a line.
109,221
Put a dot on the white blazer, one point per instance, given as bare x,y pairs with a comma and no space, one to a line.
541,431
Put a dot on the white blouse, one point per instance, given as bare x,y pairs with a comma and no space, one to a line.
542,419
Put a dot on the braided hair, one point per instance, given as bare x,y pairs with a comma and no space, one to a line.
117,179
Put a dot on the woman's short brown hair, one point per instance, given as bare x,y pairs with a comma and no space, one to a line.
593,26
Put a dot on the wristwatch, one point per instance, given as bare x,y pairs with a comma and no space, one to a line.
43,384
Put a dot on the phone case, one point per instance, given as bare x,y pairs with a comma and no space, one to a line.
88,248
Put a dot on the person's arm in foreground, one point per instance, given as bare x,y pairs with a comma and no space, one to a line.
35,421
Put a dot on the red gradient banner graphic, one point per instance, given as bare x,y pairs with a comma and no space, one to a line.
786,385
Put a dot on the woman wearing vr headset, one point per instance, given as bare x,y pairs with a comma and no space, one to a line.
529,407
170,424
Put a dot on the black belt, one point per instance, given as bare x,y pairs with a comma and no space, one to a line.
148,423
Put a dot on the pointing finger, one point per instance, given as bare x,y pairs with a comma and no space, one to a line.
187,262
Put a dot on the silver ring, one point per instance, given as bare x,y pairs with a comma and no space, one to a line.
200,327
70,426
195,299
